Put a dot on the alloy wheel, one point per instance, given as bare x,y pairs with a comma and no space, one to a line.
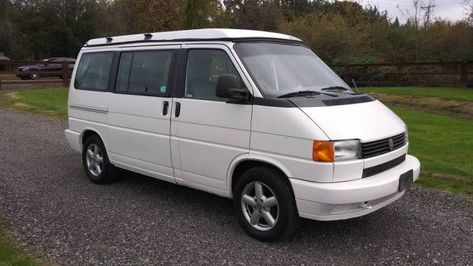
94,159
260,206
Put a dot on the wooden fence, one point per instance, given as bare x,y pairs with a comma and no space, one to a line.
59,73
457,74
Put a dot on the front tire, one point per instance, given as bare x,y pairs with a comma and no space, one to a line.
264,204
95,161
34,75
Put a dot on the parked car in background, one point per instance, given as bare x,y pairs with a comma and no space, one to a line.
50,67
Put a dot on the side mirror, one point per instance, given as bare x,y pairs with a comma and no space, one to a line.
229,87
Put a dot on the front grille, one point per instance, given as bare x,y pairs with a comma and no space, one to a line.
374,170
378,147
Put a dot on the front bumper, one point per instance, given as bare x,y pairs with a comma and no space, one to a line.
22,74
344,200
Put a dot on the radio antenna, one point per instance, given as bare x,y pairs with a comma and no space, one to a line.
356,87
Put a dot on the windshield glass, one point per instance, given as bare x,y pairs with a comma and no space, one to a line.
279,69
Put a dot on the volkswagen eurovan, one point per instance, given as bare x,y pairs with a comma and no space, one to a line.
249,115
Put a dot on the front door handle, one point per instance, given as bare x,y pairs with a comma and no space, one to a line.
178,109
165,108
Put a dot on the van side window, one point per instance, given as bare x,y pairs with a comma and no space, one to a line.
144,72
93,72
203,69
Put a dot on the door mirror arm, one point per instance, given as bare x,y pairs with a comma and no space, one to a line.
229,87
239,96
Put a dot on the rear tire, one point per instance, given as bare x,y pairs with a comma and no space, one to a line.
95,161
264,205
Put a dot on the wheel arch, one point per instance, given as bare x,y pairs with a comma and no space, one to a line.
243,163
87,132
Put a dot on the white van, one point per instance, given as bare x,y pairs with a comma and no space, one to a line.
249,115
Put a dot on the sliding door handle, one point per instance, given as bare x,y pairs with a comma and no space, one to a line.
178,109
165,108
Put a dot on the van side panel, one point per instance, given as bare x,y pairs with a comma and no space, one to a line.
139,134
87,110
285,135
209,136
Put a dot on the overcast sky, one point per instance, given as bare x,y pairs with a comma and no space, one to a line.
448,9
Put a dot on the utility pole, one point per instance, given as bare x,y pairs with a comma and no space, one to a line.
428,12
423,13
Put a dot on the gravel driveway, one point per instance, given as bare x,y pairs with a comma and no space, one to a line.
51,208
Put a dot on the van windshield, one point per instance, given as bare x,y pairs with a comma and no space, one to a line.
283,69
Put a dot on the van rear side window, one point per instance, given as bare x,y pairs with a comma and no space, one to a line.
144,72
93,72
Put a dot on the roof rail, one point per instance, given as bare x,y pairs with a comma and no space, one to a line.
192,35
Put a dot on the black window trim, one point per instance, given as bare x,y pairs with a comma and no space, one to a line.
171,75
182,72
111,74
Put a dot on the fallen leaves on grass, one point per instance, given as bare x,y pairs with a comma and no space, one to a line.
430,104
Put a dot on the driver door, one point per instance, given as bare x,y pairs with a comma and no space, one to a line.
207,133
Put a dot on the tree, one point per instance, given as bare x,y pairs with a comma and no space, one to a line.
292,9
330,35
45,28
339,31
343,32
202,13
469,11
157,15
4,26
253,14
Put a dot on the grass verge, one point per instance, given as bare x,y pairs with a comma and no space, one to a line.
11,254
444,145
51,102
461,109
446,93
8,77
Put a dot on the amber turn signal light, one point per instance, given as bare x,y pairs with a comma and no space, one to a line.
323,151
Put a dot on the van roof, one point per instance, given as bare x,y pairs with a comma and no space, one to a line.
192,35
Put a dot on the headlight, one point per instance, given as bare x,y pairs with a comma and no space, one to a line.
347,150
332,151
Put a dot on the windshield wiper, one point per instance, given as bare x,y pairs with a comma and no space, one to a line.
299,93
336,89
305,93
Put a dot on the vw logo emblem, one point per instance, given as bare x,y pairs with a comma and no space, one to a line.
391,144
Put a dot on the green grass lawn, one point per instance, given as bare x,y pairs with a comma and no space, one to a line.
459,94
10,253
444,145
50,101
